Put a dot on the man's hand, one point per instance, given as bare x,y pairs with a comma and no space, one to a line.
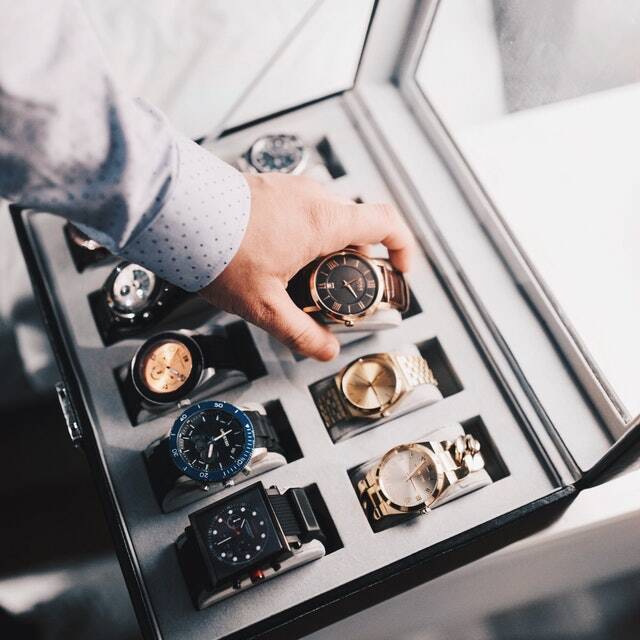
293,221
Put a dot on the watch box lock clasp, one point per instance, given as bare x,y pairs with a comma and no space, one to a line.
73,426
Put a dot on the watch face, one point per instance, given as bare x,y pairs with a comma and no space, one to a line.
409,477
166,366
370,383
279,153
212,441
346,284
132,288
238,534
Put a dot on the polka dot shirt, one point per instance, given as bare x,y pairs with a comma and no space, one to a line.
73,144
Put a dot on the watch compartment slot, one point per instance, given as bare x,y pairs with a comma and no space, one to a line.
280,421
494,464
448,381
331,161
332,542
414,306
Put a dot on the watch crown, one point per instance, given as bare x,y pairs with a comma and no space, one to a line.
348,323
229,483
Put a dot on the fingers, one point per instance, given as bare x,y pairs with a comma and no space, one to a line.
277,314
362,224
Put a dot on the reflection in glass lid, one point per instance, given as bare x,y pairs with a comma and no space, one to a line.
542,98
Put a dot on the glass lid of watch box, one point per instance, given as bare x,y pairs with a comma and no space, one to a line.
177,55
541,99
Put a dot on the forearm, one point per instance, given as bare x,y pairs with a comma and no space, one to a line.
72,144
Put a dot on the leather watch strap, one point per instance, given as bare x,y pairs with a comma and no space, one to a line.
331,406
298,288
295,515
415,369
218,352
396,289
265,433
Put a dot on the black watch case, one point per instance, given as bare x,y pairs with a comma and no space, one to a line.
189,385
218,526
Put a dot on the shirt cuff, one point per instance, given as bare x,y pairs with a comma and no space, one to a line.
197,231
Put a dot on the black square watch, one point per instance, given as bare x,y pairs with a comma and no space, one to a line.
246,538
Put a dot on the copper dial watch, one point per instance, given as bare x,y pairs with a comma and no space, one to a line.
171,365
371,386
347,286
411,478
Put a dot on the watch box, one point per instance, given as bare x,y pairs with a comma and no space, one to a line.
514,379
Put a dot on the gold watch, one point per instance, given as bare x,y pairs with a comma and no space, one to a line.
371,386
411,478
347,286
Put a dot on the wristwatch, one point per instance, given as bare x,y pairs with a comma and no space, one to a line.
372,386
346,286
281,153
411,478
84,251
170,366
132,297
214,444
246,538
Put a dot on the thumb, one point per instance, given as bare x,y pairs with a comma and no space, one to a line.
278,315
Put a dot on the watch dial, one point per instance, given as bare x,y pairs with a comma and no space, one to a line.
166,366
346,284
369,384
408,477
132,288
211,440
281,153
238,533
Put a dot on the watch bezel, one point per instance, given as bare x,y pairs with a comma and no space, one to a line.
197,368
350,317
297,170
132,316
440,477
385,361
201,542
218,475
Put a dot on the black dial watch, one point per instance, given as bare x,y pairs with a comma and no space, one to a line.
246,538
346,286
213,444
132,298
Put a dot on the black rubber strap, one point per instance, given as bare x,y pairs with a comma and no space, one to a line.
218,352
295,515
265,432
163,474
298,287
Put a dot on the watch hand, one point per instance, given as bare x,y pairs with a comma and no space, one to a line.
347,285
210,451
415,471
223,541
222,434
177,374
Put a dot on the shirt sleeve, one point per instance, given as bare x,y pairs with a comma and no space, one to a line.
73,144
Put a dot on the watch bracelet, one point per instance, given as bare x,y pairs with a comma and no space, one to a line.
396,290
331,406
415,369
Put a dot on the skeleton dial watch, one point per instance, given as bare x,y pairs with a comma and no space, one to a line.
411,478
347,286
371,386
279,153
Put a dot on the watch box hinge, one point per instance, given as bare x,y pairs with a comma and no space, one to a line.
73,426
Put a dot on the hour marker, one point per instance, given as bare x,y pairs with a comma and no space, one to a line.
247,556
242,509
223,555
215,532
235,558
261,522
263,535
230,511
253,513
258,547
219,519
361,304
332,264
336,306
370,284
